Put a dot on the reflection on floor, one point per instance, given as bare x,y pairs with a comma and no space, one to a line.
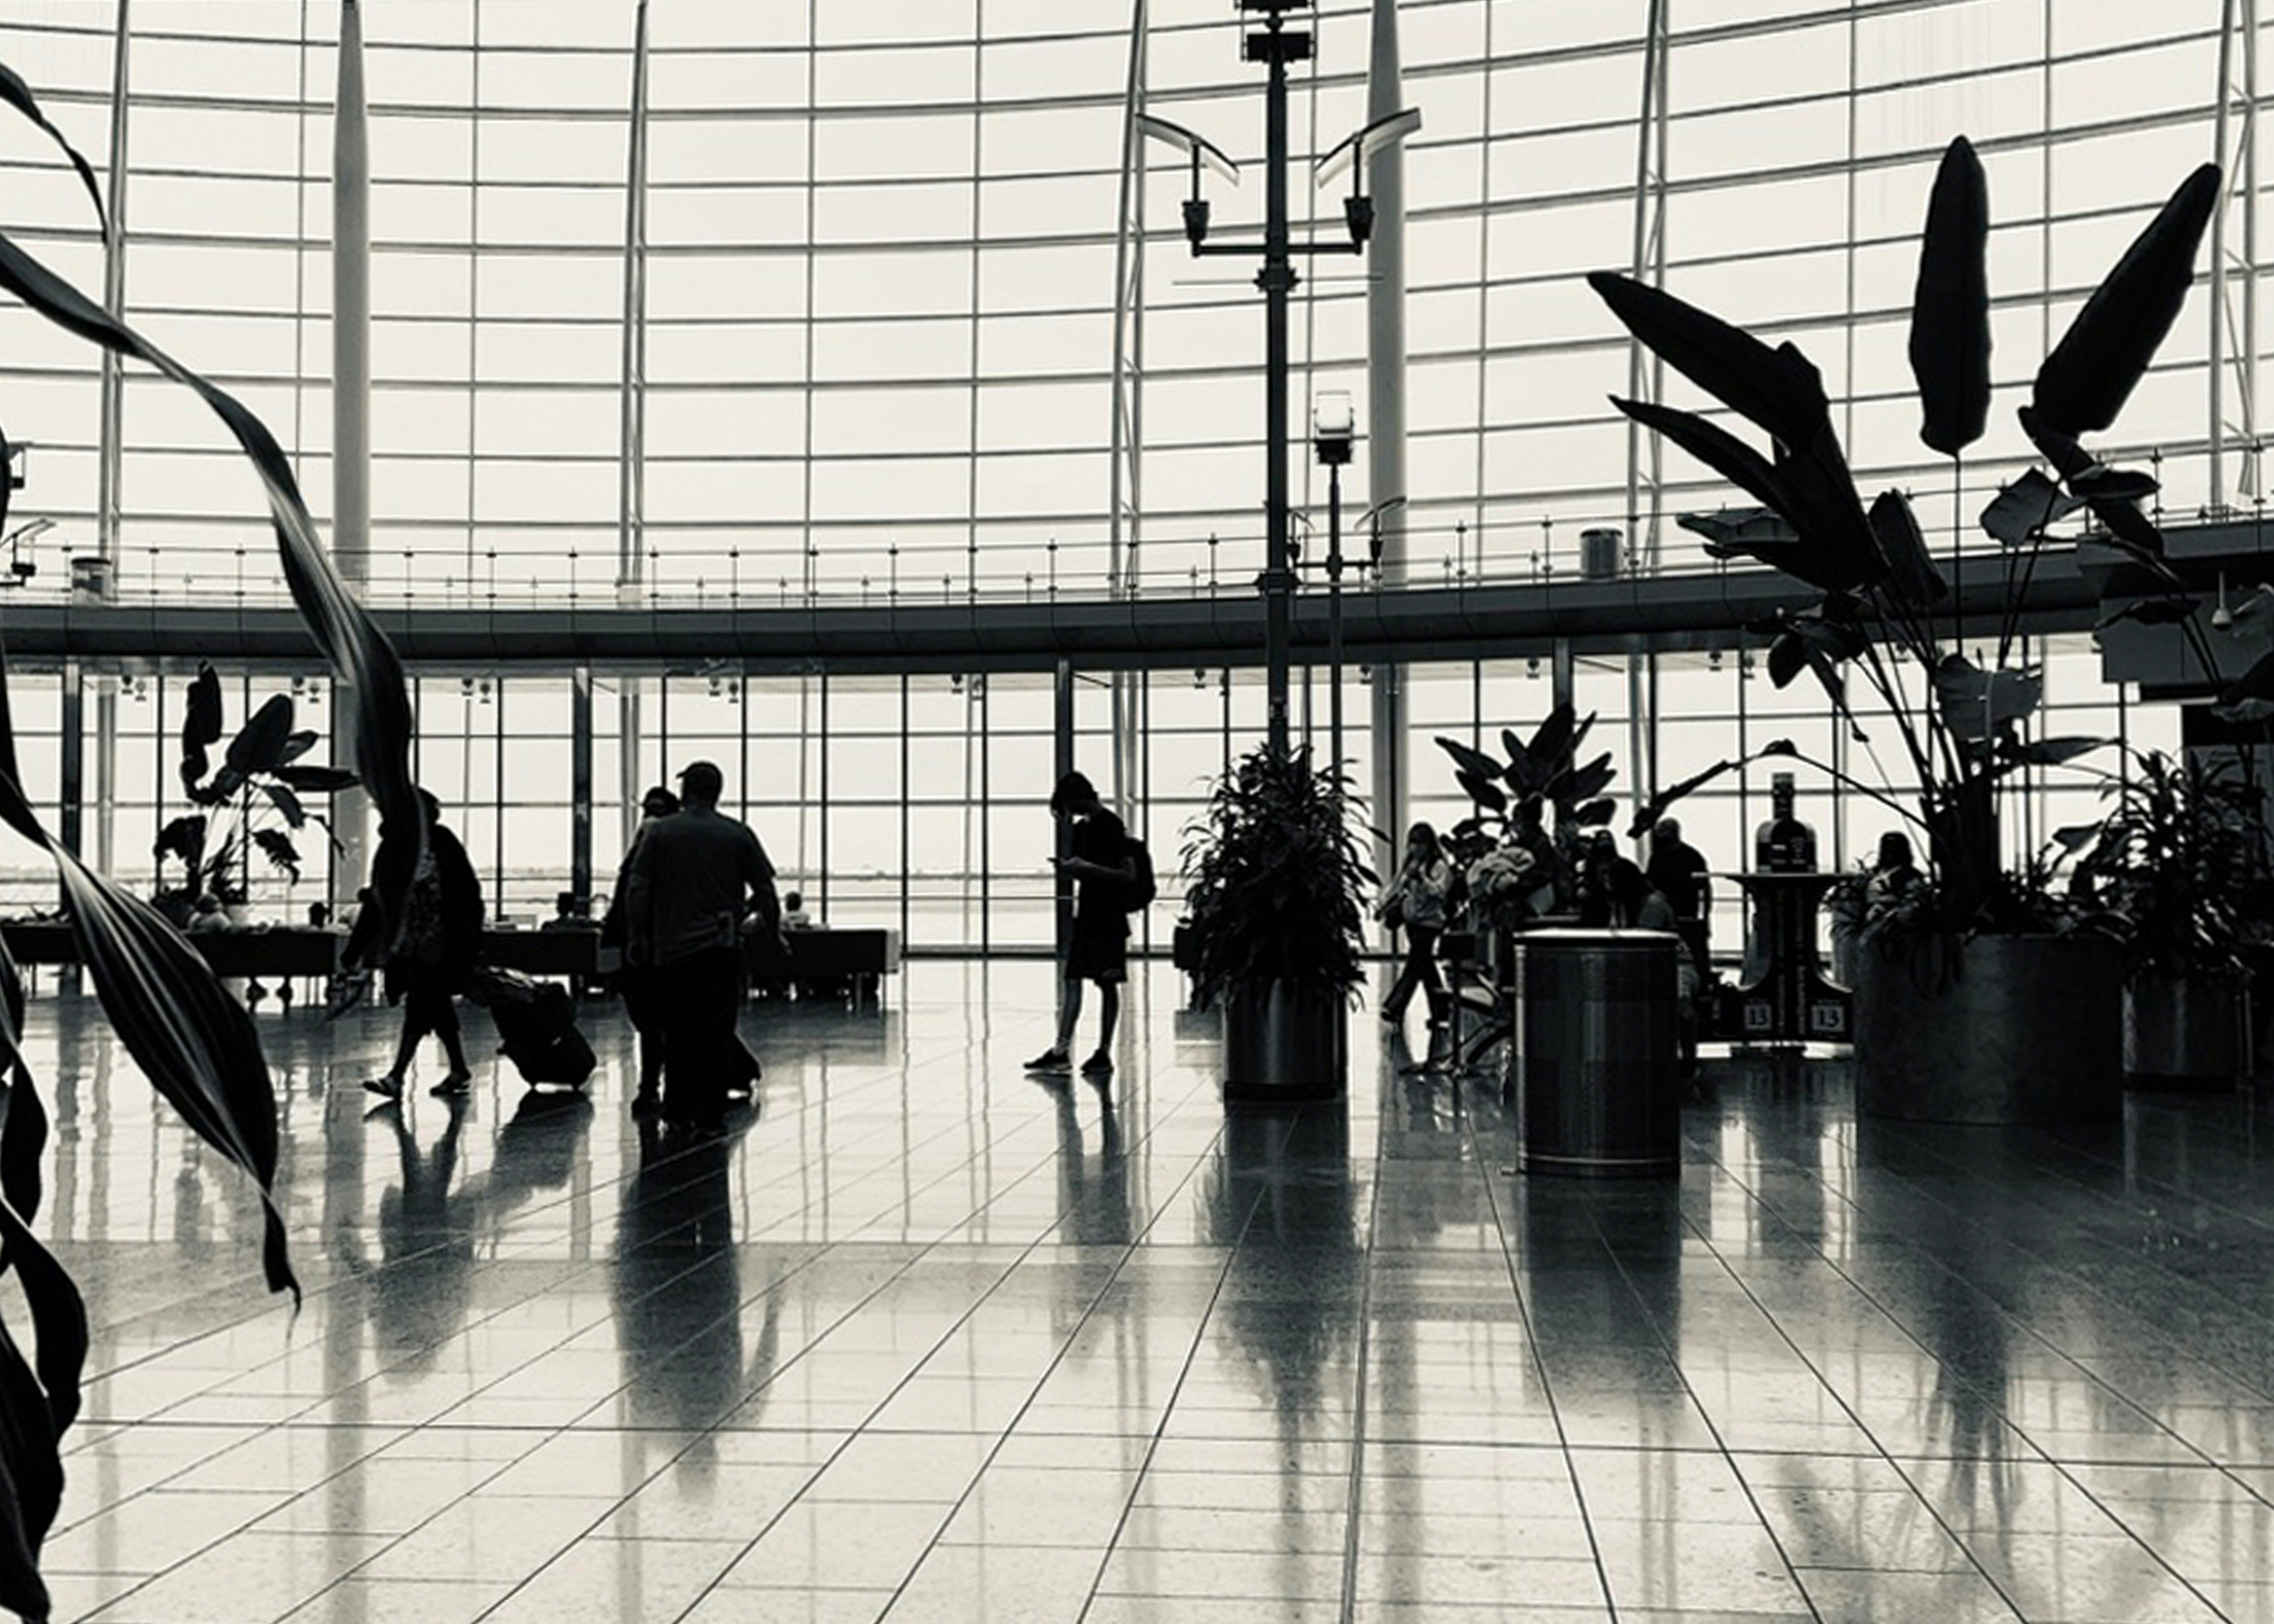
928,1339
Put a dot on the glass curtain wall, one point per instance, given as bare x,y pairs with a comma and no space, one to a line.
874,350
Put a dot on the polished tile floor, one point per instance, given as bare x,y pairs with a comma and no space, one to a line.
926,1339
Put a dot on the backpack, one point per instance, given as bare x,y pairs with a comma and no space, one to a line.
1138,889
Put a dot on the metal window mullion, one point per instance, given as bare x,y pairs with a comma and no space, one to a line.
632,449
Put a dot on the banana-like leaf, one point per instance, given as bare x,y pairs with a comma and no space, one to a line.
1468,758
2102,484
1758,383
1978,704
1483,790
220,789
184,837
1950,310
59,1333
2258,683
195,1043
1649,812
1596,813
1715,446
2053,751
1787,658
31,1481
2025,507
2134,530
1912,577
18,94
2091,373
1579,732
280,850
286,804
201,726
298,745
2150,611
2060,447
1575,785
315,780
259,747
360,656
1557,735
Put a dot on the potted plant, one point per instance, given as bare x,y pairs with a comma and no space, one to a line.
2181,859
1989,1005
1533,811
252,797
1277,887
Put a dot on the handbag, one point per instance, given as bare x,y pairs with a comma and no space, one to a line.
1393,913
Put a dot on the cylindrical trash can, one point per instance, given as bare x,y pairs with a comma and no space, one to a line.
1598,1055
1600,554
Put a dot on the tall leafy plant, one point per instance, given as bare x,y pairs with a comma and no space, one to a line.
1961,713
2181,859
197,1045
1277,876
252,798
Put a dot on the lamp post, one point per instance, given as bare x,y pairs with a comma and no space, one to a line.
1276,46
1334,428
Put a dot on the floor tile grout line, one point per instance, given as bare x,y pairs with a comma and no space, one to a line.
1720,1441
1892,1462
2046,1456
2039,1258
1485,1166
1354,1495
554,1432
2038,1261
861,1428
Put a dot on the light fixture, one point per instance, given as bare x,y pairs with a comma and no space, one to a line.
1352,152
1199,150
19,461
1334,426
2222,619
1532,667
21,569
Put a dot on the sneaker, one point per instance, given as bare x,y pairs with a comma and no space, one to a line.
457,1083
1099,1065
1049,1060
385,1088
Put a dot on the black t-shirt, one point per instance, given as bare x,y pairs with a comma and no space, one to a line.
1677,868
1104,838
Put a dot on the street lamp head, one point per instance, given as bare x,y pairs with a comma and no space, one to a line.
1358,213
1334,425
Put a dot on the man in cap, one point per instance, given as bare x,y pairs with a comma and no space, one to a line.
691,879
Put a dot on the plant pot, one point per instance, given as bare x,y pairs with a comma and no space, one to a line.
2188,1032
1995,1030
1284,1042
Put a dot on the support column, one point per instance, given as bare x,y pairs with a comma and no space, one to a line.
632,492
70,784
580,781
1385,439
1061,764
351,415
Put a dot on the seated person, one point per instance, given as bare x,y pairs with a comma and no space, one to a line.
794,916
569,913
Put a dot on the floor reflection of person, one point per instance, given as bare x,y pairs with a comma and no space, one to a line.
427,1245
677,1286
